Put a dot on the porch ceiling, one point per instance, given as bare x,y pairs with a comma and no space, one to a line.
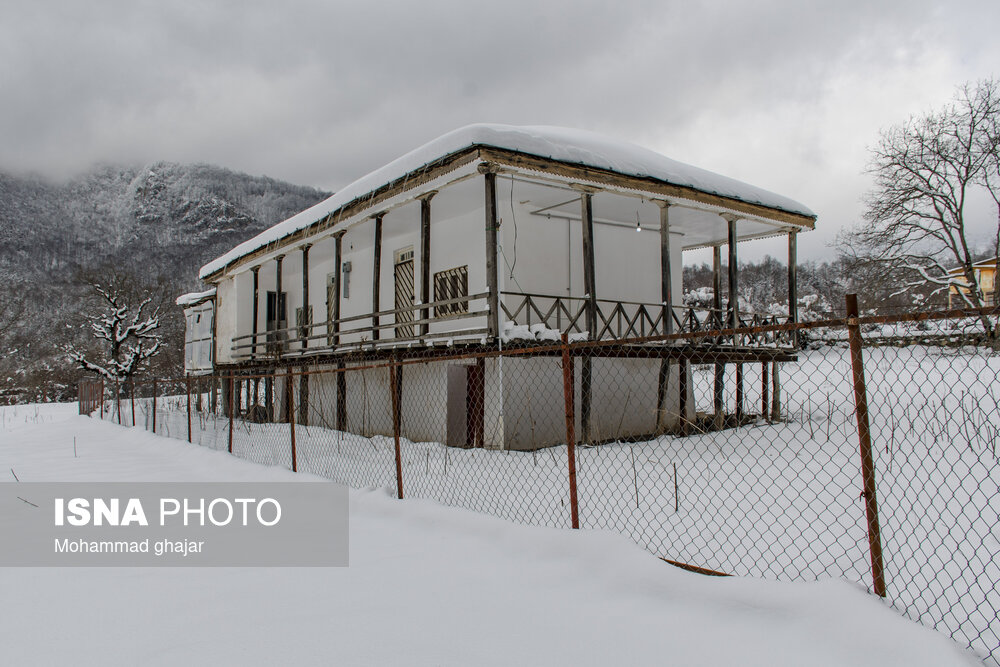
692,225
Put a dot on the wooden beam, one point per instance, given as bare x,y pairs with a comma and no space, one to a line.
337,291
589,280
256,310
666,291
277,298
654,186
739,392
306,321
341,397
492,227
425,260
793,292
666,294
303,418
590,286
277,285
717,285
376,275
734,292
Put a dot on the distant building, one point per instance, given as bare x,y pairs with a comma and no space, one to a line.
985,271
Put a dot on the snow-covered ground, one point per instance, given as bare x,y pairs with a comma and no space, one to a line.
427,584
776,500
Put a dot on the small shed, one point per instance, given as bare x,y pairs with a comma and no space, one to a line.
199,331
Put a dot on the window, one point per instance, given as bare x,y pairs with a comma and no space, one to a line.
276,310
451,284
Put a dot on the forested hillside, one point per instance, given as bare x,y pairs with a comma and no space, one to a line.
152,226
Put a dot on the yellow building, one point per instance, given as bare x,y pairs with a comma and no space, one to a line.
985,271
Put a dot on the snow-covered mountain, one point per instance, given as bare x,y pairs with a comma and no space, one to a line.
162,217
156,224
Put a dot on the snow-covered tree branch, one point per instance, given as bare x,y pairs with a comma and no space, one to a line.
128,333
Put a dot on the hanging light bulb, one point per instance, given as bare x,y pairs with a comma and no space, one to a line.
638,227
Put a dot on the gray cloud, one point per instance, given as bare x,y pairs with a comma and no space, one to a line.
786,95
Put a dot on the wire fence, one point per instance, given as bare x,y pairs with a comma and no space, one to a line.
867,453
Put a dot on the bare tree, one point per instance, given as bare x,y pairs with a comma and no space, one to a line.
925,170
128,336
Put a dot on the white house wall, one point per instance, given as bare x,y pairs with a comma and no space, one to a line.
624,397
225,326
423,408
546,253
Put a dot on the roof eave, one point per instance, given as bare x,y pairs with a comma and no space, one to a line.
512,158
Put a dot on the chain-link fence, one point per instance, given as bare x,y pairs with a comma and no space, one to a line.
876,464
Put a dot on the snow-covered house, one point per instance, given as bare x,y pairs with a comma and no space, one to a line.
492,236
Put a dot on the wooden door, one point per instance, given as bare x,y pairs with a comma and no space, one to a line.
404,293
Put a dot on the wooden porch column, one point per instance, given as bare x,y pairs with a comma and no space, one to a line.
305,331
717,285
277,293
255,313
718,389
306,320
589,280
493,298
590,285
666,291
376,276
734,301
734,308
793,290
425,260
334,333
666,295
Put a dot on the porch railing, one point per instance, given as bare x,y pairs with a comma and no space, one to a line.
362,331
567,314
631,319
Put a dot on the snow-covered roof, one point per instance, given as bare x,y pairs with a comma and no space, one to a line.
983,263
194,298
557,143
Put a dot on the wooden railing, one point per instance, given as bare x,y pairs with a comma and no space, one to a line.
631,319
614,320
362,331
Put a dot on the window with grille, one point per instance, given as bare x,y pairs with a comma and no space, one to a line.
451,284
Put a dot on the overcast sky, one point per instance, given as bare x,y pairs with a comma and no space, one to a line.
784,95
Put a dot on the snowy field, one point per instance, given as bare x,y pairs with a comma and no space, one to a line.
427,585
775,500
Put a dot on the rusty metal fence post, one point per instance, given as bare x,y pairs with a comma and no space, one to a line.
394,391
154,405
865,443
131,398
187,382
568,390
290,409
231,409
102,400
